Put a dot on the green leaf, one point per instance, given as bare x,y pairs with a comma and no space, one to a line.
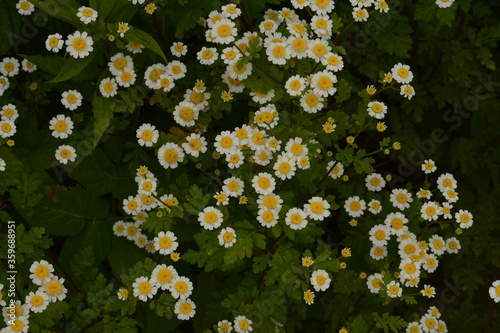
72,67
65,212
389,323
343,91
138,36
10,21
61,11
103,113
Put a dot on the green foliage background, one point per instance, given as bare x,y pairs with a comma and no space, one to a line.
66,213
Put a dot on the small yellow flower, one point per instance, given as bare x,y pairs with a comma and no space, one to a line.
159,213
33,86
346,252
353,223
350,140
243,200
362,275
150,8
458,231
307,261
11,143
226,96
216,156
396,146
343,265
388,177
345,178
328,128
381,126
331,120
111,38
343,330
175,256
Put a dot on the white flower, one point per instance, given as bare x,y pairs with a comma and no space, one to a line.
234,158
409,269
119,229
126,78
207,55
377,110
176,69
131,205
41,272
178,49
322,6
210,218
464,218
185,309
163,275
120,62
397,223
444,3
2,164
28,66
71,99
296,218
108,87
37,301
381,6
437,245
453,245
86,14
407,91
267,217
378,252
360,14
170,155
224,326
65,153
278,53
242,324
25,7
394,289
284,167
54,42
317,49
430,211
195,144
61,126
165,242
430,263
322,83
79,44
446,181
494,291
354,206
402,73
181,287
375,182
379,235
9,67
227,237
165,82
225,141
295,85
333,62
152,75
401,198
224,31
185,114
317,208
7,128
134,47
233,186
320,280
239,73
144,289
54,288
374,282
263,183
147,135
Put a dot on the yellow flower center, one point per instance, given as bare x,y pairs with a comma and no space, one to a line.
210,217
36,300
165,242
53,288
61,126
170,155
403,72
296,218
228,237
181,287
79,44
380,235
145,287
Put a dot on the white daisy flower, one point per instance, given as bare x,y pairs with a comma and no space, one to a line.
131,205
28,66
71,99
86,14
263,183
225,141
317,49
227,237
210,218
446,181
317,208
224,326
295,85
126,78
494,291
170,155
374,206
374,282
320,280
144,289
7,128
437,245
186,113
54,42
284,167
430,211
108,87
464,217
65,153
152,75
242,324
322,83
162,276
178,49
9,66
61,126
181,287
333,62
322,25
378,252
444,3
134,47
402,73
379,235
41,272
394,289
2,164
401,198
224,31
176,69
25,7
195,144
296,218
119,229
120,62
453,245
337,171
354,206
377,110
409,269
54,288
165,242
184,309
234,158
430,263
270,201
322,6
360,14
233,186
207,55
267,217
37,301
407,91
311,102
79,44
381,6
450,195
397,223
